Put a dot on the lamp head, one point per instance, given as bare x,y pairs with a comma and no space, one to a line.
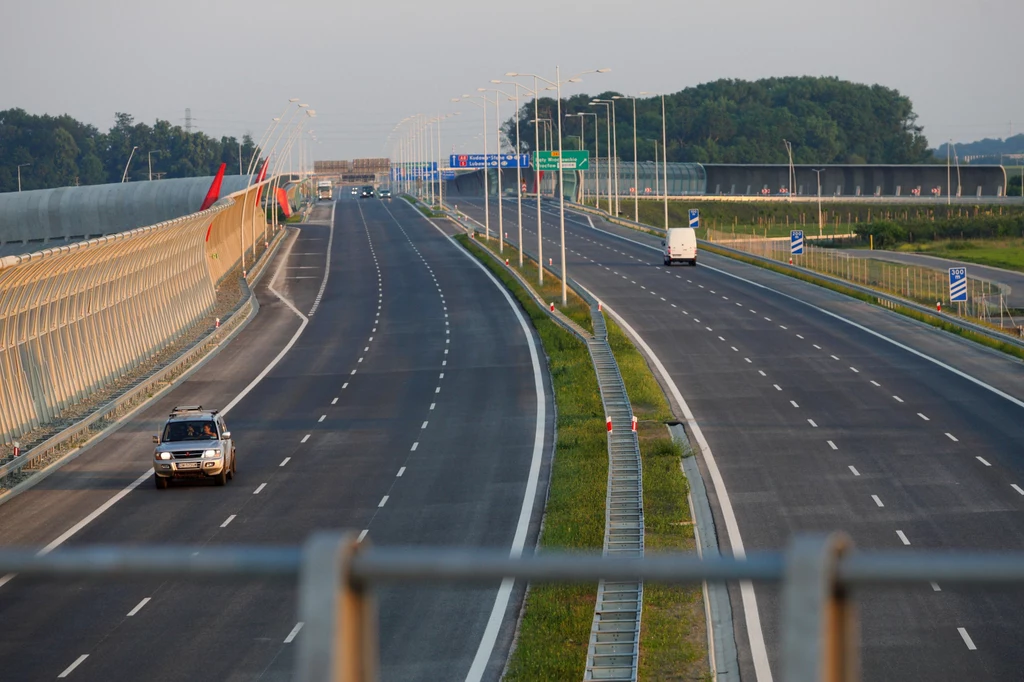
303,106
574,80
293,99
497,81
603,70
512,74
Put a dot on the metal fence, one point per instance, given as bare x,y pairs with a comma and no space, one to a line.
337,574
927,286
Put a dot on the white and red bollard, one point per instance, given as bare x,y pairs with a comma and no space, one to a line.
216,324
791,261
598,306
608,423
633,424
552,306
938,306
17,448
551,261
506,261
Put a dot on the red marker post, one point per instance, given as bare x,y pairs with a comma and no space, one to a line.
938,306
216,324
552,306
608,423
633,424
17,448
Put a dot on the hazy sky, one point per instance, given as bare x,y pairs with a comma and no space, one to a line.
364,66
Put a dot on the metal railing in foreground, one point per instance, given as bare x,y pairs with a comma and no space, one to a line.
336,575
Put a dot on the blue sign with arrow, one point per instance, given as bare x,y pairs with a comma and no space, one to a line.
489,160
694,217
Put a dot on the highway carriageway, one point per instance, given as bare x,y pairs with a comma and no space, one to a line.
389,384
817,412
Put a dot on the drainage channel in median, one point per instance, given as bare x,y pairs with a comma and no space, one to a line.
613,652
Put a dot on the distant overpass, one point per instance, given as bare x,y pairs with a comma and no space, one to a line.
355,171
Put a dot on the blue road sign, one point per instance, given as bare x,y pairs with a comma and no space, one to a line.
957,284
489,160
447,175
695,217
796,242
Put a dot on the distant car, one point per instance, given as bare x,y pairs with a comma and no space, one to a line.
384,193
194,444
355,191
367,191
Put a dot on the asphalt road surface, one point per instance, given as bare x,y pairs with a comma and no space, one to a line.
407,408
825,413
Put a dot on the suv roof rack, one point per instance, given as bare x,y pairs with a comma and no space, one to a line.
186,408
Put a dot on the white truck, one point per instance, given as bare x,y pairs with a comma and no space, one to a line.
324,189
680,244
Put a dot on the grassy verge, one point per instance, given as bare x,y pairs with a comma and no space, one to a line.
673,638
936,322
555,629
999,253
576,308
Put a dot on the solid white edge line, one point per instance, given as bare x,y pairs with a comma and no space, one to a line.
327,265
878,335
138,607
293,633
78,662
490,634
755,634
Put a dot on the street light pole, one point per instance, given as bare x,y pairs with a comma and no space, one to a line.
636,181
150,155
124,177
20,165
487,200
497,152
792,170
820,227
608,140
664,158
561,175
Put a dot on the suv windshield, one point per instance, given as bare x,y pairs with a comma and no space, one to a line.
203,429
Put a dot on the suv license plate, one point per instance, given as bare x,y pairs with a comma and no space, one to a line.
188,465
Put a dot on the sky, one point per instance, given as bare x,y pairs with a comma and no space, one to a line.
366,66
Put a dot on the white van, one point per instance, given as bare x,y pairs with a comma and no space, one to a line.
680,245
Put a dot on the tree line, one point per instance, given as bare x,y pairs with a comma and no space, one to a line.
826,120
62,151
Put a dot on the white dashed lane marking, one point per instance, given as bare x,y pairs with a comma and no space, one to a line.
70,668
261,487
223,525
903,538
298,626
138,607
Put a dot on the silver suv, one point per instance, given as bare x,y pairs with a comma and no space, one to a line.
195,443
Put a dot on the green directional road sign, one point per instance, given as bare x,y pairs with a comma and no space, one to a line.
571,160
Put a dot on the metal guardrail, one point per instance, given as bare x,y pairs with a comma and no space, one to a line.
337,575
891,299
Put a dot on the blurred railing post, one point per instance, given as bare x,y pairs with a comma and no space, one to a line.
339,614
820,639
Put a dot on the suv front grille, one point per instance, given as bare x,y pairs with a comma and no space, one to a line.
188,455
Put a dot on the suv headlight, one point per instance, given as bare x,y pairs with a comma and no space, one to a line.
210,454
163,455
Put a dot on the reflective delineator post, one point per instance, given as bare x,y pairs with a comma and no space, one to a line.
551,261
608,423
506,261
598,306
17,448
552,306
216,325
633,423
938,306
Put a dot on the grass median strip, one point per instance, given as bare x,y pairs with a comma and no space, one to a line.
555,628
673,635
